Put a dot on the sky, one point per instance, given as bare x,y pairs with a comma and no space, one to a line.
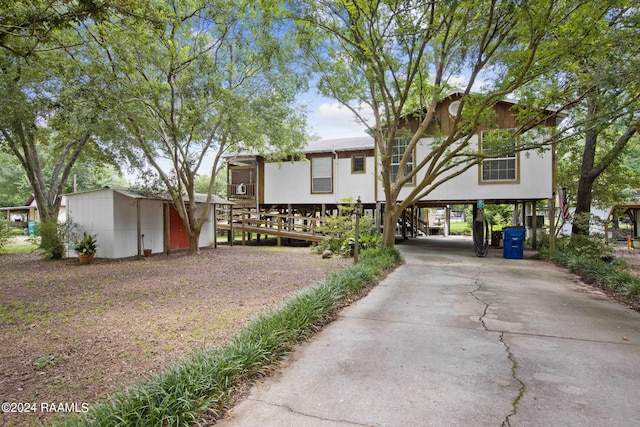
327,119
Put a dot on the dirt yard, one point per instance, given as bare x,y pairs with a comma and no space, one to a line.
74,334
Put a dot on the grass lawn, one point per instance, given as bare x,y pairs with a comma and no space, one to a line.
18,244
459,228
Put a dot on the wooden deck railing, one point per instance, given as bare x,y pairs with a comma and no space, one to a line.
241,191
277,225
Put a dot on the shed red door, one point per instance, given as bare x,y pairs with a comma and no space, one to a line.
178,237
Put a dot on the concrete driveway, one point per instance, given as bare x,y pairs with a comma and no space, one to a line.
451,339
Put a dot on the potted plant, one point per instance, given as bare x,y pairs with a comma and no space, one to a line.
86,247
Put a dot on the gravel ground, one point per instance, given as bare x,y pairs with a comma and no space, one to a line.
75,334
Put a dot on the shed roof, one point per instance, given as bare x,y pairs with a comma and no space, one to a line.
199,197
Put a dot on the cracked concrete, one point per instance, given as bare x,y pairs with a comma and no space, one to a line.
451,339
514,363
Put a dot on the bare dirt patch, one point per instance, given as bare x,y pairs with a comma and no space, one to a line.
632,258
72,333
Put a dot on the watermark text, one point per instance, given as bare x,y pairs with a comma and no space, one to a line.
45,407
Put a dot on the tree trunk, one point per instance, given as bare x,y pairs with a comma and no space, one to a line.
583,206
194,248
585,184
591,170
390,219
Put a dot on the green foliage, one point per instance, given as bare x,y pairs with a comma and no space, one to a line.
403,58
498,216
340,232
590,258
56,109
5,233
86,244
198,79
201,183
597,77
205,381
52,237
614,185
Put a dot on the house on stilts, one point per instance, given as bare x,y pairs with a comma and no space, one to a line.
331,171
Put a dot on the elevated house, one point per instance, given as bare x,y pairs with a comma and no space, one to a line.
334,170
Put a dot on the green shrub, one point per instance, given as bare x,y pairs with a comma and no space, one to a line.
206,380
340,232
591,259
5,233
53,238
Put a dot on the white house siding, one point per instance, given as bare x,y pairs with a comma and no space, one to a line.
126,225
93,212
535,181
207,233
290,182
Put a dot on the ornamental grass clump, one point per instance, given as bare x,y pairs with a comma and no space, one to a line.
589,258
205,382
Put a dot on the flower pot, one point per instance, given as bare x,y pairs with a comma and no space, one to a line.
85,258
147,252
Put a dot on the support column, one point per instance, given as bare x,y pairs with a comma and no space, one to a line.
138,228
447,220
215,226
552,225
534,225
167,228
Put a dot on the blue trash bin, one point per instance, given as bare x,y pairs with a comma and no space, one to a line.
33,228
514,242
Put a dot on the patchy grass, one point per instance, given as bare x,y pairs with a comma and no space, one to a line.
111,324
205,381
18,244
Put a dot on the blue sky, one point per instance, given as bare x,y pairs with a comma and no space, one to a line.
328,119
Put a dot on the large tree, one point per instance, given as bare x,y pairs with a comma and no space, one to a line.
197,79
54,109
609,116
399,57
24,26
52,112
598,77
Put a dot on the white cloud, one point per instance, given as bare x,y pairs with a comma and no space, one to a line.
332,120
462,81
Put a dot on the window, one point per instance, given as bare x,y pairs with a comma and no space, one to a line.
504,167
358,163
322,175
399,147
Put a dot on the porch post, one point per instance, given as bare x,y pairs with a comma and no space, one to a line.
138,228
447,220
167,228
215,227
534,225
